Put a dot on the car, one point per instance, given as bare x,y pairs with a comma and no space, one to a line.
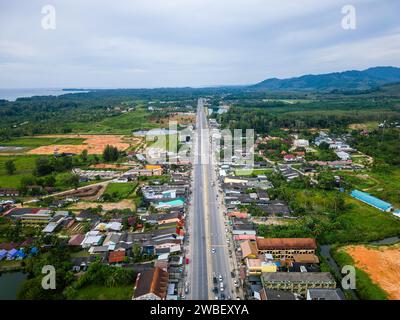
221,286
220,278
235,283
222,296
213,250
215,290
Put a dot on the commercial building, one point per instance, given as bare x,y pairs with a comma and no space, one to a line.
298,282
286,248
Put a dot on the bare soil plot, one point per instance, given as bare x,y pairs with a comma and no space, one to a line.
382,265
110,166
94,144
123,204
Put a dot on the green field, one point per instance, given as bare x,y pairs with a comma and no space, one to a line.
34,142
120,124
119,191
249,172
96,292
24,167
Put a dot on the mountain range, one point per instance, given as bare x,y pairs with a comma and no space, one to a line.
348,80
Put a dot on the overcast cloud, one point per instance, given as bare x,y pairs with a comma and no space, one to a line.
162,43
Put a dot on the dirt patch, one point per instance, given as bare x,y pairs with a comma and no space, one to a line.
109,166
382,265
124,204
94,144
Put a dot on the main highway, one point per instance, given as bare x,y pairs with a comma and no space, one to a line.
208,239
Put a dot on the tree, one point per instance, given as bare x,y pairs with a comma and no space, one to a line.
84,155
43,167
10,167
110,153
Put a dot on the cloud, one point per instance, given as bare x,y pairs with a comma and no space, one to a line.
151,43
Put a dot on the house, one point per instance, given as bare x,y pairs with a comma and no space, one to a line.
116,257
290,158
325,294
12,254
305,258
3,254
371,200
111,226
244,229
269,294
151,285
6,192
92,238
259,266
301,143
249,249
285,248
76,240
343,155
298,282
55,221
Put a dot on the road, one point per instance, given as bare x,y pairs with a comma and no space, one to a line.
208,239
199,268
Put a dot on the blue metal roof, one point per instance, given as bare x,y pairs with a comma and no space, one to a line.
371,200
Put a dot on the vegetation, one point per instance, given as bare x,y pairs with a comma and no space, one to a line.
118,191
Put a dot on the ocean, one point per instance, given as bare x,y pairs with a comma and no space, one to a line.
13,94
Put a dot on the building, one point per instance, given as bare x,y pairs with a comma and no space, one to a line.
301,143
9,192
371,200
325,294
31,216
256,267
249,249
151,285
286,248
298,282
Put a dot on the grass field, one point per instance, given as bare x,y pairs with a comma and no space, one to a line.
34,142
24,167
249,172
118,191
121,124
363,223
95,292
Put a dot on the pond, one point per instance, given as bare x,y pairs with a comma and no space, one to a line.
10,283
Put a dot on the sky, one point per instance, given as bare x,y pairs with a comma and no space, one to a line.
175,43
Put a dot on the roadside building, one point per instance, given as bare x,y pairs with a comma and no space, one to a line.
151,285
325,294
285,248
298,282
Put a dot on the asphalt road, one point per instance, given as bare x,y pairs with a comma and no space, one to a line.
208,249
198,269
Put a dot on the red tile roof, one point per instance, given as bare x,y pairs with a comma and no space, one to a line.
116,256
286,243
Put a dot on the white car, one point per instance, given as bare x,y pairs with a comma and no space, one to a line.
220,278
213,250
235,283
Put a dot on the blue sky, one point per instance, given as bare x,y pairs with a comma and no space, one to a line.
160,43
